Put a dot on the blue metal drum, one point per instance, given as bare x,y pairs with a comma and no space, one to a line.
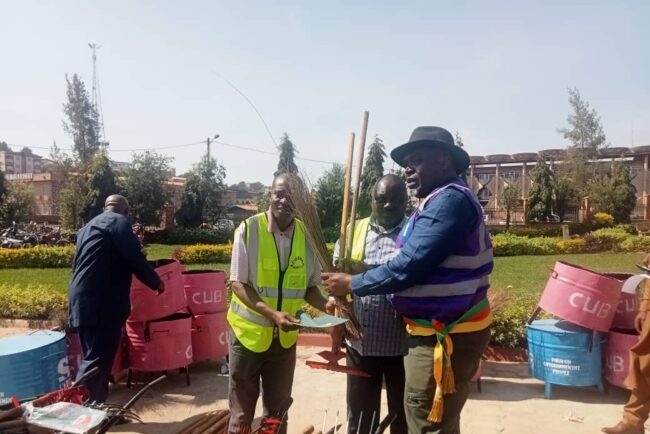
560,352
32,364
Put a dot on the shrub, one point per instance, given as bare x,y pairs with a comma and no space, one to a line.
37,257
513,245
605,239
576,245
509,325
198,236
602,219
203,253
31,302
636,244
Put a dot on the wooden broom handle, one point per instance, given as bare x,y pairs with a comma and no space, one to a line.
346,199
355,198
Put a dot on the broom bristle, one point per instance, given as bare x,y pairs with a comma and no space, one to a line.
302,202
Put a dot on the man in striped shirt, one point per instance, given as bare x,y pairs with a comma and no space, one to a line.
381,351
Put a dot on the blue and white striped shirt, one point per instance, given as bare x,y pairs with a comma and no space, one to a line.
384,332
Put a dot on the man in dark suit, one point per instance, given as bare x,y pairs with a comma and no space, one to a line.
108,253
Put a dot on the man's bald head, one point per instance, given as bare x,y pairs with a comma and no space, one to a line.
116,203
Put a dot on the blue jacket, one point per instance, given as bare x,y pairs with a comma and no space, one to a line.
108,253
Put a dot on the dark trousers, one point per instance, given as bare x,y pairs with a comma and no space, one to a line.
364,393
421,386
99,345
274,367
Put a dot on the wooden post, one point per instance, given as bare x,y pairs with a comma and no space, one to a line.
346,198
355,198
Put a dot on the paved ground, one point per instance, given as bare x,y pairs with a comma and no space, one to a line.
510,402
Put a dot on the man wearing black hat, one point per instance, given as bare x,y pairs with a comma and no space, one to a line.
438,282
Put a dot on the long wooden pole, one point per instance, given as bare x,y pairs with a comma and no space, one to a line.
355,198
346,199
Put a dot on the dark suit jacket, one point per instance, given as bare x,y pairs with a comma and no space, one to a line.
108,253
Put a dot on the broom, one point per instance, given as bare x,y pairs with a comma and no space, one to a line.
304,208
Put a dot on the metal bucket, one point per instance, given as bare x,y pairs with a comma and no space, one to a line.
560,352
209,336
147,305
205,291
161,344
628,305
32,364
617,355
76,355
581,296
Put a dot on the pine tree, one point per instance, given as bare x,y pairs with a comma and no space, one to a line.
288,151
83,121
373,170
200,198
100,184
586,135
540,197
614,193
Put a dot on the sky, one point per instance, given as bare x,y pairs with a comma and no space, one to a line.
497,72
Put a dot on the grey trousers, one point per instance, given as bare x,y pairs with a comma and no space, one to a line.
421,386
274,367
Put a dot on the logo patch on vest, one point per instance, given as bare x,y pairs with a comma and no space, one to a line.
297,262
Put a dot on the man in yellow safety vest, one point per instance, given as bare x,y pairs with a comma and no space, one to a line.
273,271
380,353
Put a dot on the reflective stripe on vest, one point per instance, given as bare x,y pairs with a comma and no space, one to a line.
283,290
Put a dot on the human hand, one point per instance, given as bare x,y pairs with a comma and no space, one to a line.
338,284
639,320
330,307
161,288
285,321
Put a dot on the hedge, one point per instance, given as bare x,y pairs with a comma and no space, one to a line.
203,253
37,257
32,302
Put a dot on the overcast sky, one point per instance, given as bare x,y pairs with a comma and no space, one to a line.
497,72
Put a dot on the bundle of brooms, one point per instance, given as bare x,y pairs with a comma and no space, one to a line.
305,209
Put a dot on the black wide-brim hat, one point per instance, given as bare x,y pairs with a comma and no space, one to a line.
432,137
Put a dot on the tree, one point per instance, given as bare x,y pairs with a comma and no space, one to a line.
329,196
4,146
203,189
509,200
614,194
564,193
83,121
73,202
143,185
100,183
18,204
540,197
459,140
586,135
288,151
373,170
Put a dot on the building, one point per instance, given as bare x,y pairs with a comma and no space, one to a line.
239,213
19,162
46,187
489,175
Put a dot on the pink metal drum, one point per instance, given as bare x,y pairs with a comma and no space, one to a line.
147,305
162,344
616,352
581,296
205,291
75,355
628,305
209,336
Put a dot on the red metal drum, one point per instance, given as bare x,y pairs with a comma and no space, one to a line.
581,296
205,291
209,336
162,344
628,305
147,305
616,352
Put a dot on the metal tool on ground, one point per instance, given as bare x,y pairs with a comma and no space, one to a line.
332,364
385,423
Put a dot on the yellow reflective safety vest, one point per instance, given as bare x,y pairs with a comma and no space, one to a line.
283,290
359,239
